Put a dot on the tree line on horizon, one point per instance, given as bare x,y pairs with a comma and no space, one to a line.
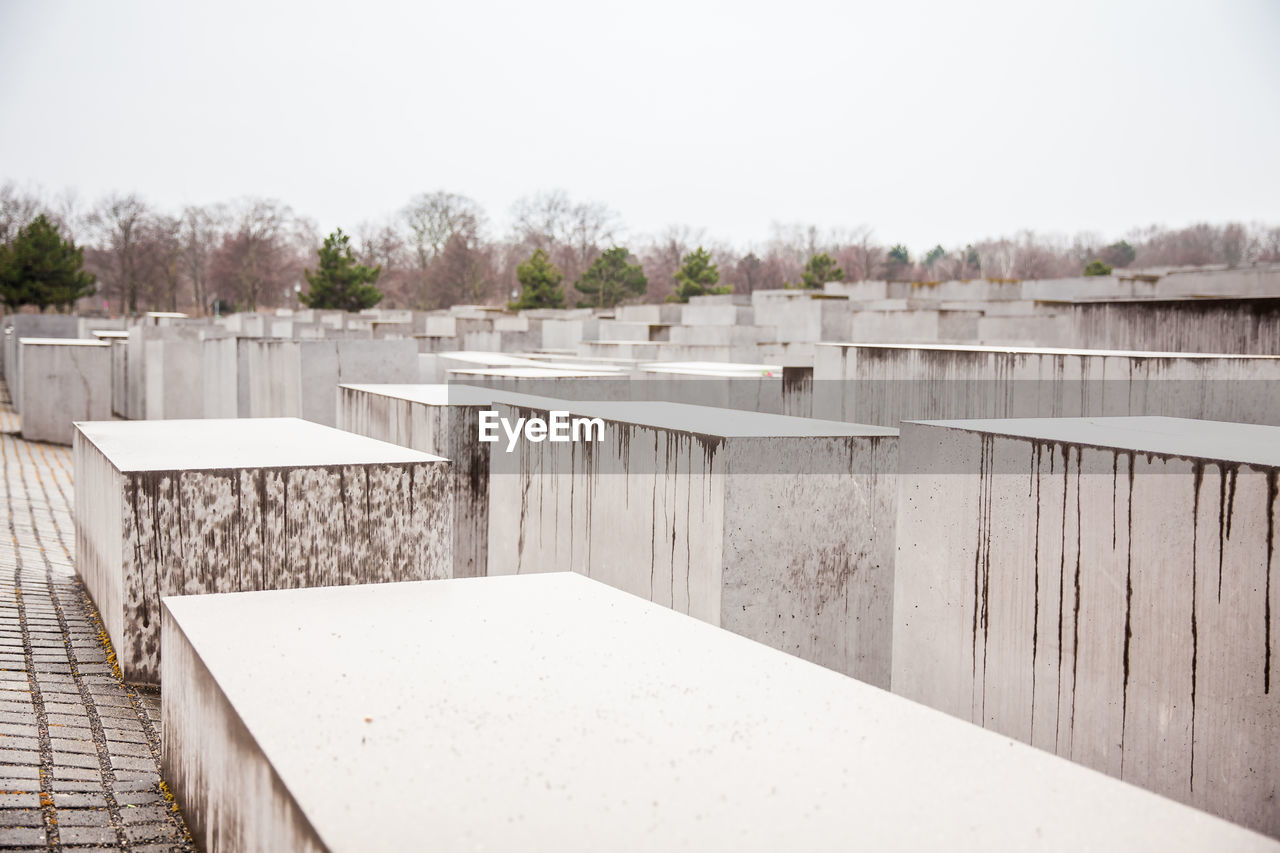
123,253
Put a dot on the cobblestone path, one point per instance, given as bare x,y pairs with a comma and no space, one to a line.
79,750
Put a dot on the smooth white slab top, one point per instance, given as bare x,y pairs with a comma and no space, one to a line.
715,367
710,420
216,443
551,712
1249,444
538,372
684,417
64,342
487,359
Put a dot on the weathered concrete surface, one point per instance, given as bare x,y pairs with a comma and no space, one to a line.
63,380
779,529
1182,325
184,507
174,373
19,326
1104,589
553,713
887,383
440,420
301,378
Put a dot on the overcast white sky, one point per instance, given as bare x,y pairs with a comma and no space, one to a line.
931,122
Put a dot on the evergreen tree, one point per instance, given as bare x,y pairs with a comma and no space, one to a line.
1097,267
42,269
339,282
820,270
697,276
610,280
539,283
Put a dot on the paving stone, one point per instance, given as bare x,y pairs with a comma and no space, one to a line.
83,817
86,835
22,835
151,832
128,762
48,622
80,774
21,817
79,801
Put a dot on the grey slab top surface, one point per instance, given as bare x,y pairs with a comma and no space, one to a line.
685,417
1043,350
64,342
1249,444
711,420
215,444
551,712
538,372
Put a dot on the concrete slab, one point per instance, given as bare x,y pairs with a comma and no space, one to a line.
63,380
552,713
1103,589
198,506
19,326
442,420
776,528
300,378
889,383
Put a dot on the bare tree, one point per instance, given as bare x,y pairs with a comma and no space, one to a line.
384,245
463,273
261,256
17,208
663,256
201,234
161,261
432,220
573,234
119,222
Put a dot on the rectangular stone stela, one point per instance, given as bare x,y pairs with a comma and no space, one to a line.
1106,589
201,506
439,419
64,380
555,713
776,528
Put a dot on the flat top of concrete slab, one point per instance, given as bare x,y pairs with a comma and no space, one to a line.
110,333
1044,350
63,342
757,372
684,417
488,359
1247,444
535,372
553,712
703,420
217,444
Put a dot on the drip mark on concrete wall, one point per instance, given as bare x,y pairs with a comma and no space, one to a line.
1128,616
1273,486
1062,575
1075,616
1197,479
1226,505
1035,616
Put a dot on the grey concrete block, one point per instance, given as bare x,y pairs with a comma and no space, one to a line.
183,507
553,713
1104,589
63,380
777,528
